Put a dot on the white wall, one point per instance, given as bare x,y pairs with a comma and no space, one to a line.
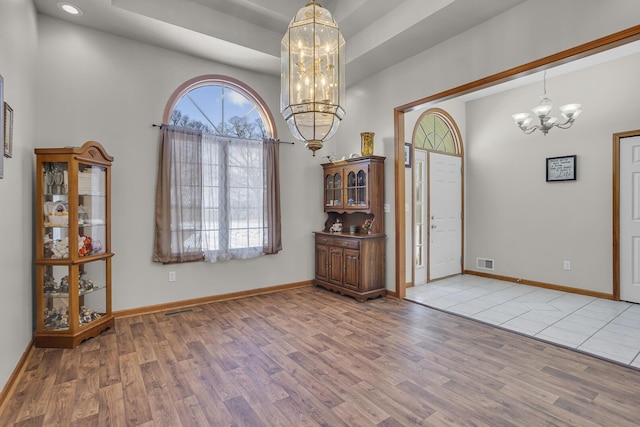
527,225
95,86
18,46
520,35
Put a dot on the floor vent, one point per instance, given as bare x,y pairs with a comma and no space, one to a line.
176,312
484,263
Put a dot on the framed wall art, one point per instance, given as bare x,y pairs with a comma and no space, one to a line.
561,168
8,130
1,125
407,155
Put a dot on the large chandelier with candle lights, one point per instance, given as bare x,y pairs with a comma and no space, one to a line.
313,76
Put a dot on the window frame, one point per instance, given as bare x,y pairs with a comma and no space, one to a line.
219,79
452,129
259,104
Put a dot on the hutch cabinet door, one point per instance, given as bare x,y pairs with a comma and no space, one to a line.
333,188
352,269
356,179
322,262
336,266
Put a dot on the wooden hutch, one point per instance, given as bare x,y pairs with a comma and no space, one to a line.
352,261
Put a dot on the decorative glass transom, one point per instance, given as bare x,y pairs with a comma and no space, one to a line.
435,131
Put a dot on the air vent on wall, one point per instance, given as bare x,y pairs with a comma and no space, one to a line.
484,263
178,311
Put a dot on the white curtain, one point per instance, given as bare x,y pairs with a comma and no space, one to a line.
233,198
217,198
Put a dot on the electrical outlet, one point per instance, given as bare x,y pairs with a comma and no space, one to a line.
567,265
387,208
172,276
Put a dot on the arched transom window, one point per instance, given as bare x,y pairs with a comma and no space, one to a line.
437,131
222,106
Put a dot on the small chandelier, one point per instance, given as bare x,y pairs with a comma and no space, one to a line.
313,76
569,111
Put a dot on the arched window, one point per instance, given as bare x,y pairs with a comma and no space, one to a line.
217,195
437,131
222,106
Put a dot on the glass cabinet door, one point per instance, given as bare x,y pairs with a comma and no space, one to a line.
59,298
328,190
333,189
55,289
55,210
92,291
357,189
92,206
337,189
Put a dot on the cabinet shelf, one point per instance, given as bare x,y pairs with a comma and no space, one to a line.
80,224
80,260
81,292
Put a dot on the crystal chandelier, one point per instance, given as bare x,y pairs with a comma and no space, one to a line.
313,76
569,111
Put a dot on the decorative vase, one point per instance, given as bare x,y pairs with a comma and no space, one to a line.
366,143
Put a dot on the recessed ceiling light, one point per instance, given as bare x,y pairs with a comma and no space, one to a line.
70,9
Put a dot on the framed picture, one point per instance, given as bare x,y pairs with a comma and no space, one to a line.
561,168
407,155
8,130
1,125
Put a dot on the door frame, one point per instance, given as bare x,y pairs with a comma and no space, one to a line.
586,49
459,147
617,137
427,179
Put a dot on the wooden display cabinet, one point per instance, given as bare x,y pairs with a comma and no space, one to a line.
352,261
73,244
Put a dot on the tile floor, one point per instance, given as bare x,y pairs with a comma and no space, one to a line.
605,328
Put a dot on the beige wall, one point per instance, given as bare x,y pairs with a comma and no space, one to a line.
110,89
511,39
527,225
18,49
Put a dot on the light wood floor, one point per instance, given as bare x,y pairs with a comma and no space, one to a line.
308,357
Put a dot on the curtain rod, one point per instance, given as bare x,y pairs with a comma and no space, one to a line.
281,142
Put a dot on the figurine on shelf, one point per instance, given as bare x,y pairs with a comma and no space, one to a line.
60,248
368,223
86,315
64,284
85,285
50,283
337,226
55,318
84,245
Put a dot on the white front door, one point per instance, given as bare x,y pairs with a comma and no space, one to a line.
445,215
630,219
